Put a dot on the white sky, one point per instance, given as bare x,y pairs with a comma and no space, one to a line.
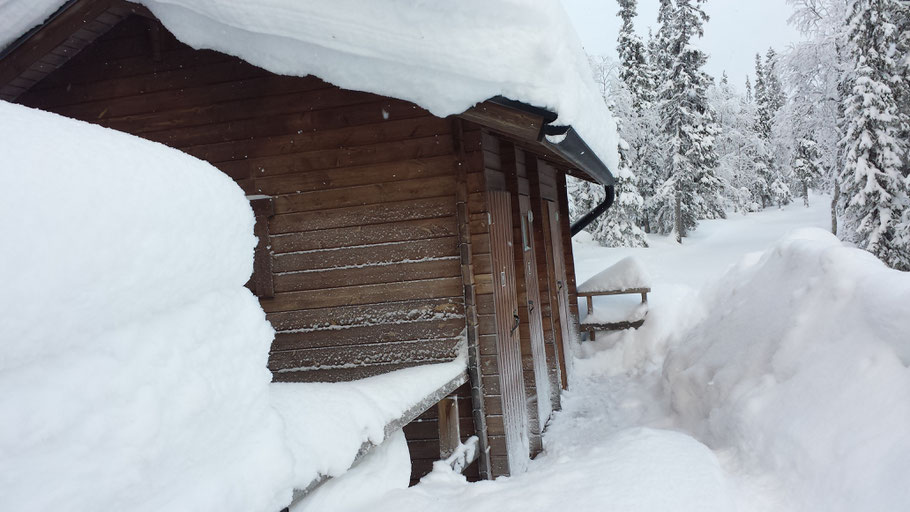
736,31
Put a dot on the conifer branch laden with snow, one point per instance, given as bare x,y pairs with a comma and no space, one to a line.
874,198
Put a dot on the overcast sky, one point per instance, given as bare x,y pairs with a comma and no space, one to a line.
736,31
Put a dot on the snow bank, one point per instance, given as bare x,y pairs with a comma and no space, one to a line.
443,56
133,362
385,468
634,470
327,423
800,368
625,274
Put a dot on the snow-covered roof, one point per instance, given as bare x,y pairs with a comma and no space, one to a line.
444,56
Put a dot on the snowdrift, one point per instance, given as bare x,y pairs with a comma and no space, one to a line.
133,362
800,367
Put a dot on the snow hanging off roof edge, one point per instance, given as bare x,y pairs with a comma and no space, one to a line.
444,56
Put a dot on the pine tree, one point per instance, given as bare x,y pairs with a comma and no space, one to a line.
761,187
748,90
807,166
873,188
688,124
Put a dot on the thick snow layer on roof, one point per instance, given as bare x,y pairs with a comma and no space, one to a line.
443,56
133,361
327,423
625,274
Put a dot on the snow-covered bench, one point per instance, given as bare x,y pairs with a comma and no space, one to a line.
624,277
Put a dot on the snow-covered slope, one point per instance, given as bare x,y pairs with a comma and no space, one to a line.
443,56
133,361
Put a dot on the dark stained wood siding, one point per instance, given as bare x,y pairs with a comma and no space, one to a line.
364,246
423,436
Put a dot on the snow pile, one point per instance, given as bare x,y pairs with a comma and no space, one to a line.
800,369
443,56
641,470
386,468
133,362
327,423
625,274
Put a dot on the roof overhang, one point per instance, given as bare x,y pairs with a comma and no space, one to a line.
535,124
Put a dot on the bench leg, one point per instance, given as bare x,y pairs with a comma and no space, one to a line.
644,296
590,304
591,334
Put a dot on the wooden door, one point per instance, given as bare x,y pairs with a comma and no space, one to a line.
508,344
561,289
535,323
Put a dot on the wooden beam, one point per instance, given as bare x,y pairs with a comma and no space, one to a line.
449,430
523,125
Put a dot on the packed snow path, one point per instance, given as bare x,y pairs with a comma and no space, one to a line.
624,439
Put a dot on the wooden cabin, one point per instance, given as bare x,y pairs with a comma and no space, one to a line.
389,237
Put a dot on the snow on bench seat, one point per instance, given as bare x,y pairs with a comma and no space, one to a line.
626,276
330,426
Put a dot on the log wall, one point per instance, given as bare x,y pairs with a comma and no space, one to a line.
363,240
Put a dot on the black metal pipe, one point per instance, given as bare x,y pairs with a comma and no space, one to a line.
598,210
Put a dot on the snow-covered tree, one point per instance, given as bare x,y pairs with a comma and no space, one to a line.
873,187
737,146
807,167
692,187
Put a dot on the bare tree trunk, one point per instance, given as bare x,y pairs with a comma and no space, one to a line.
806,194
834,207
677,211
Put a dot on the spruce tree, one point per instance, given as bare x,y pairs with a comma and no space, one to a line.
748,90
688,123
807,166
873,188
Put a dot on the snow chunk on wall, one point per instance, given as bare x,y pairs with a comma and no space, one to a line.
133,363
802,367
443,56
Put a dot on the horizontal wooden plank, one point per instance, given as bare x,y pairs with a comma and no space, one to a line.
290,121
366,294
366,255
349,176
322,279
505,120
206,82
370,314
425,351
306,160
365,215
349,136
429,429
384,333
420,188
203,115
398,231
340,374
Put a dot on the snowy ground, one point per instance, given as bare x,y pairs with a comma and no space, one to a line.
645,406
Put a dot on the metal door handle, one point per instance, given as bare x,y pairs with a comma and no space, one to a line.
517,320
559,284
530,306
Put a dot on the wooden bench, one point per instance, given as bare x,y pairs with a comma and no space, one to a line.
591,327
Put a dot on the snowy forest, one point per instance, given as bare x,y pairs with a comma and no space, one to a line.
830,113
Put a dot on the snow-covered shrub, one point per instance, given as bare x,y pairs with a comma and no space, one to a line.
133,361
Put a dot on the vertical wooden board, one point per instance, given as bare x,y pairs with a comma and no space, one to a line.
552,339
538,351
560,290
515,414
